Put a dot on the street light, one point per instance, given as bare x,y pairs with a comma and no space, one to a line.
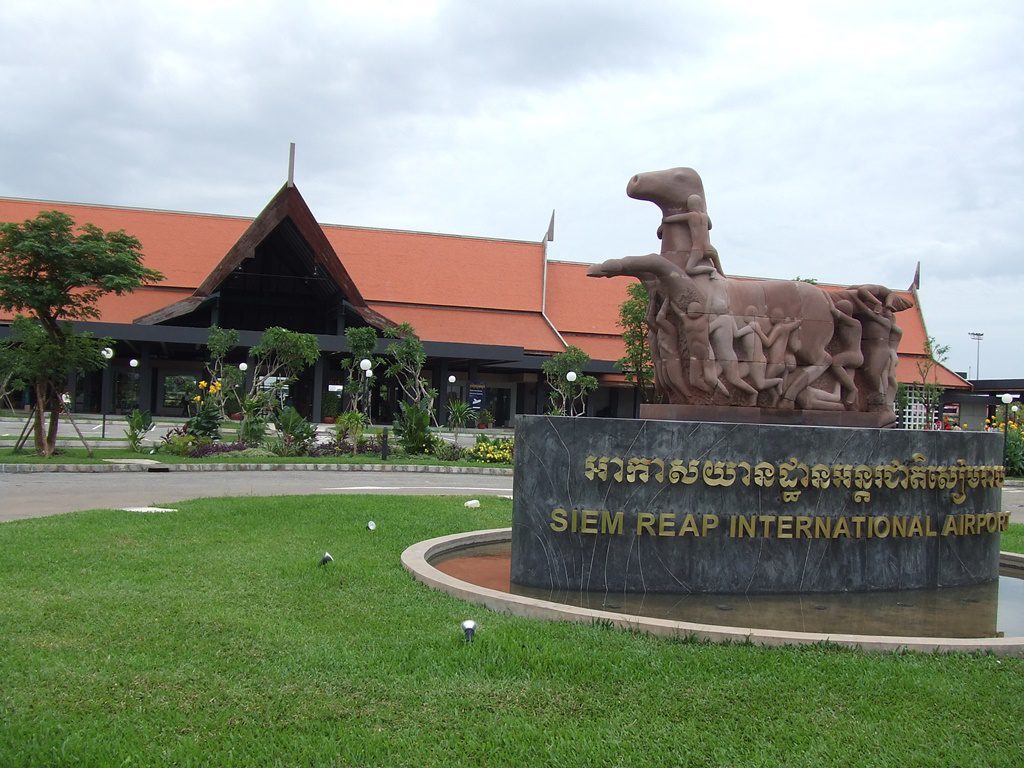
570,376
1007,398
107,353
243,366
977,336
451,378
365,364
133,363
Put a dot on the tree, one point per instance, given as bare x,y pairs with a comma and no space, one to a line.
362,342
53,273
636,365
229,378
407,360
36,358
280,356
568,398
10,374
931,391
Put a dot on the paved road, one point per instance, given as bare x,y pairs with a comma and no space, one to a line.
38,495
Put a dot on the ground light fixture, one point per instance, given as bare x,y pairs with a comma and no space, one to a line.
468,629
133,363
107,353
326,559
371,526
243,367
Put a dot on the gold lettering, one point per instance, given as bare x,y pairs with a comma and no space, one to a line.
881,531
785,527
916,529
858,522
689,526
823,527
666,524
588,522
1004,521
645,521
969,524
949,527
612,523
899,527
708,522
928,530
841,528
803,527
558,520
766,524
747,526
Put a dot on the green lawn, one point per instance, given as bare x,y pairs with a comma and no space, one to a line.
209,636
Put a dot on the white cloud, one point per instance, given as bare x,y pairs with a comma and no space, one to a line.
844,141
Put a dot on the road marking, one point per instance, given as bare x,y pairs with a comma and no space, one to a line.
417,488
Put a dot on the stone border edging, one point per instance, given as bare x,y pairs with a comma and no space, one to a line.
416,560
255,467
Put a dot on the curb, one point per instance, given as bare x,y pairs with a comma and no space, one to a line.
416,560
15,469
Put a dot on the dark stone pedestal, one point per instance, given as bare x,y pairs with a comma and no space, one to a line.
660,506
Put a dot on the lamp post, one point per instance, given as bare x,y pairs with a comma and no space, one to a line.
571,378
366,366
977,336
1007,398
107,354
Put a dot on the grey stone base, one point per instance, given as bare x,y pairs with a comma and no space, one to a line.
660,506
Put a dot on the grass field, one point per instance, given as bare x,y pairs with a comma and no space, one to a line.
210,636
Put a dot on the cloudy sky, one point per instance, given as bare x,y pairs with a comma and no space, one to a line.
841,141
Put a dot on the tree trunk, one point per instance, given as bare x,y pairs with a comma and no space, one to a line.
37,425
51,433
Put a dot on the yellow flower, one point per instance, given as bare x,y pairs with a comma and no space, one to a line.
197,399
202,385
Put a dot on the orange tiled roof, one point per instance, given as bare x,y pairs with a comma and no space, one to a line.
450,288
907,372
444,270
475,326
183,246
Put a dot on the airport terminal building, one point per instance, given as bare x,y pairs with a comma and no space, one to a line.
489,311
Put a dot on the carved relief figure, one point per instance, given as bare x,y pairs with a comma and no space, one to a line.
772,343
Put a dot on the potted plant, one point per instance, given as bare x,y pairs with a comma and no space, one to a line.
484,418
330,408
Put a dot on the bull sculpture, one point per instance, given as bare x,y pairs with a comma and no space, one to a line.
782,344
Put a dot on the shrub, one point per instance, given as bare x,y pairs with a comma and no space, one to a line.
180,442
297,432
446,451
349,427
254,424
412,428
204,449
139,423
496,451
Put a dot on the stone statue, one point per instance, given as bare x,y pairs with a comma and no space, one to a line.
782,345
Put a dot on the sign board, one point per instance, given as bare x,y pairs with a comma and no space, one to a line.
476,396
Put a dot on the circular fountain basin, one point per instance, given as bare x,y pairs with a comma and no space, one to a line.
985,617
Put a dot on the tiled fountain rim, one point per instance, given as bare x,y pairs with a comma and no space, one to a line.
416,560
